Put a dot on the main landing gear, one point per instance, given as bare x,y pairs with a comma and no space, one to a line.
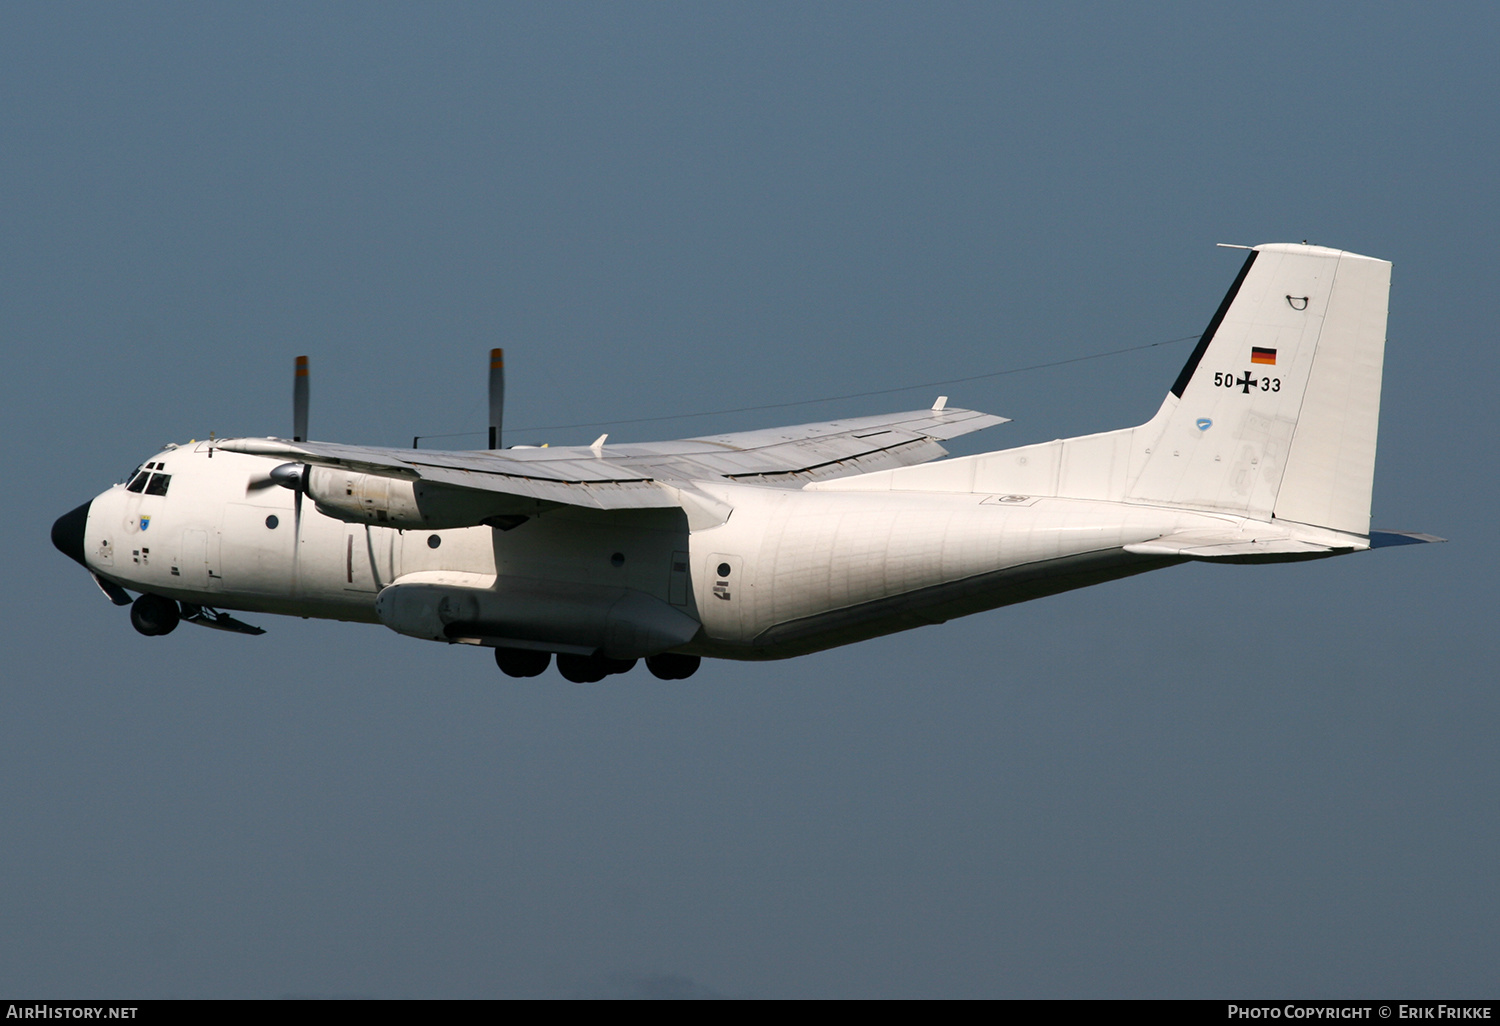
671,666
522,662
590,669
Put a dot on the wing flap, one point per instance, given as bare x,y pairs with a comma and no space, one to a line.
937,424
904,454
640,494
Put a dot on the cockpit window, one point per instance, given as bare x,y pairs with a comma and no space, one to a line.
158,484
138,482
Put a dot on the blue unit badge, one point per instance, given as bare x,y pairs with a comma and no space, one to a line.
145,523
1204,423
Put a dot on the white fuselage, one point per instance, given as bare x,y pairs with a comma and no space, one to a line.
806,569
779,542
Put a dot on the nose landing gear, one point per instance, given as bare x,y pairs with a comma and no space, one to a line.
153,615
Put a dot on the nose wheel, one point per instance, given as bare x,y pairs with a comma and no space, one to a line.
153,615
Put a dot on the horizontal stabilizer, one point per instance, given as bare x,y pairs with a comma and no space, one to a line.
1385,539
1236,548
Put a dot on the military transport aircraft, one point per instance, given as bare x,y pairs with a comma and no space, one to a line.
776,543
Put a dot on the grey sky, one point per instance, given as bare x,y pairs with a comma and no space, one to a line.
1208,781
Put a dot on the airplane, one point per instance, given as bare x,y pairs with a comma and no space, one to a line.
774,543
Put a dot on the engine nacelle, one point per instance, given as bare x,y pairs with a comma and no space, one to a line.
622,623
365,498
359,498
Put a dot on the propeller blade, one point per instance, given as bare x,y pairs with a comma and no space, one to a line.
299,402
286,475
497,395
297,530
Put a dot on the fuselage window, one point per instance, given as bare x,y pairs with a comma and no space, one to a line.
158,484
138,482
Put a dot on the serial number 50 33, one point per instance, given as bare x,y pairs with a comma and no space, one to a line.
1245,382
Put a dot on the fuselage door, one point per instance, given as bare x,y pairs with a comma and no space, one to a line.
722,607
197,569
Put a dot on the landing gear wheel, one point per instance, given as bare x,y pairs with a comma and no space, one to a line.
153,615
581,669
522,662
591,669
672,666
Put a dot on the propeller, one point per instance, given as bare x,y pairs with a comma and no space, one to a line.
299,401
289,475
293,476
296,473
497,395
284,475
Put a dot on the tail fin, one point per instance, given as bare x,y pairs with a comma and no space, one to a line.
1273,416
1275,413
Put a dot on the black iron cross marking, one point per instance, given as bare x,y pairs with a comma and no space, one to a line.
1246,383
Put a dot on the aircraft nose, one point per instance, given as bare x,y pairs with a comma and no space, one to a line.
67,533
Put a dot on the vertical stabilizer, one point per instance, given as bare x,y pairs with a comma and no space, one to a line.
1275,413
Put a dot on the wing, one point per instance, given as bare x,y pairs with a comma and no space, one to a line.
643,475
793,456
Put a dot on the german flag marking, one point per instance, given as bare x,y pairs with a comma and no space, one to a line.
1259,355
